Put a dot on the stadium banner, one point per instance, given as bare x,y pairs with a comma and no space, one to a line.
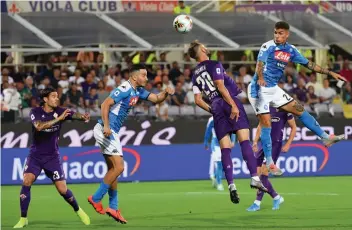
274,8
149,6
178,162
342,6
134,132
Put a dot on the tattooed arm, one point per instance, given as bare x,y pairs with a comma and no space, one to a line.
81,117
259,71
41,125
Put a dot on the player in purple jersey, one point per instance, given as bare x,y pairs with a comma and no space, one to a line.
44,153
278,121
263,91
209,78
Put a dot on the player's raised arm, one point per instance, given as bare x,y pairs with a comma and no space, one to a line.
41,125
160,97
292,123
81,117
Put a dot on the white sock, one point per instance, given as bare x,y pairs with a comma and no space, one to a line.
257,202
232,187
256,178
277,197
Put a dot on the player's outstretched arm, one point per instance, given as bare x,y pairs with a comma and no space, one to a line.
318,69
160,97
293,126
235,113
81,117
41,125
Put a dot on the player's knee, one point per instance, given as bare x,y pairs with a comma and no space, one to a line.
298,107
28,179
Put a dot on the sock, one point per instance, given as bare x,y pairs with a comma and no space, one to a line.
277,197
257,202
25,199
249,158
227,164
268,185
312,124
267,144
260,195
113,201
100,193
211,166
218,173
70,198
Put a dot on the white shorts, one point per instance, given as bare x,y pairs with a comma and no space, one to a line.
216,155
109,146
268,96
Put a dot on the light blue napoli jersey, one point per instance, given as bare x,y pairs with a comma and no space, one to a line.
275,58
210,133
125,97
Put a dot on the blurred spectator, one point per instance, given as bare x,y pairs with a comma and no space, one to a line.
243,95
313,82
102,93
64,83
162,111
327,94
44,83
157,78
11,103
347,93
167,82
181,8
96,79
346,70
62,97
85,57
158,88
289,85
339,62
291,70
118,80
300,93
303,75
244,77
30,85
5,76
109,79
74,97
20,75
77,78
221,58
164,64
25,93
56,78
88,84
312,97
91,100
175,71
182,80
34,102
125,75
179,98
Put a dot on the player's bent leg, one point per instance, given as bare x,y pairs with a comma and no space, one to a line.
311,123
67,194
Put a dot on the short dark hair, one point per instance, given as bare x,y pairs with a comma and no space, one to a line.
282,25
45,93
193,49
137,67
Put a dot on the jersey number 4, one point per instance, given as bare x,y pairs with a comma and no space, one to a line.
203,79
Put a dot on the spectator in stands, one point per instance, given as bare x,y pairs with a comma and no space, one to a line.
182,80
291,70
44,83
339,61
162,111
167,82
175,71
158,76
164,64
125,75
289,85
20,75
244,78
77,78
74,97
62,97
96,79
85,57
5,76
88,84
34,102
109,79
347,93
118,80
312,97
346,70
303,75
313,82
25,93
181,8
102,93
187,58
30,85
326,95
243,95
56,78
299,93
221,58
179,98
64,83
11,102
91,101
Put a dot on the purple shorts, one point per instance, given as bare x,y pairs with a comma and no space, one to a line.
52,167
276,151
223,124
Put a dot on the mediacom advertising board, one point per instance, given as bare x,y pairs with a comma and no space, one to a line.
178,162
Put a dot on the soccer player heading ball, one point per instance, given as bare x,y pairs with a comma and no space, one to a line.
264,91
209,78
44,152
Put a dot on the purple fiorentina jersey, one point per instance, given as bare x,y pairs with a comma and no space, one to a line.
204,75
45,142
278,122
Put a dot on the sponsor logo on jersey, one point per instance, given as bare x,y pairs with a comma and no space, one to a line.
282,56
133,101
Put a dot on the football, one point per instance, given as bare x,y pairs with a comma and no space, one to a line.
183,23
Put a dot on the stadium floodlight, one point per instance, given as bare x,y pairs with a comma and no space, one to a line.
40,34
124,30
215,33
334,24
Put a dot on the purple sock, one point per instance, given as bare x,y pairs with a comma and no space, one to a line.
70,198
25,199
260,195
249,158
268,185
227,164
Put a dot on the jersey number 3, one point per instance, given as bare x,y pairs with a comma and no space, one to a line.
203,79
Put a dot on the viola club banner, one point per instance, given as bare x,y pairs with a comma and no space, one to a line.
274,8
178,162
77,134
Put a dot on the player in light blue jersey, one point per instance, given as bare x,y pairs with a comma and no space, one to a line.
264,91
114,111
215,167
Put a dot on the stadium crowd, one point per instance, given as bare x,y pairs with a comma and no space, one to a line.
84,84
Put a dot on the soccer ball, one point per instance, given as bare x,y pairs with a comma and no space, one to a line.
183,23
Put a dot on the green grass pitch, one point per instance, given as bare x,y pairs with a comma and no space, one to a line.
310,203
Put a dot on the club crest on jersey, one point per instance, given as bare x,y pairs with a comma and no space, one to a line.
282,56
133,101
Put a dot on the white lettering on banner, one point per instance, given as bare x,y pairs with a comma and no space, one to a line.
344,6
10,142
291,164
156,139
76,138
141,135
348,131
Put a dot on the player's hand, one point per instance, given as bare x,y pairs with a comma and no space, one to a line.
86,117
285,148
169,90
235,113
255,147
107,131
64,114
261,82
337,76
